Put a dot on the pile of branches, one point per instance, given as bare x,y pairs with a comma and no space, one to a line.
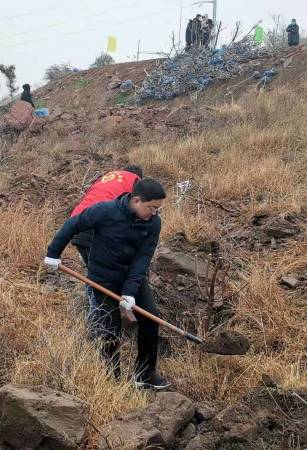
57,71
198,68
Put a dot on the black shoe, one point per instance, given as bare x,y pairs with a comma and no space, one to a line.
152,381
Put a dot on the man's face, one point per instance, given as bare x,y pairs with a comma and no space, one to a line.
145,210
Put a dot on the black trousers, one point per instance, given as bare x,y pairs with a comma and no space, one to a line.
105,325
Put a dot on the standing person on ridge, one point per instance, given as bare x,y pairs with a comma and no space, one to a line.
293,33
188,35
196,30
206,31
106,188
26,95
126,234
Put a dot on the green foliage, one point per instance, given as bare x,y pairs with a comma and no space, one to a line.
57,71
121,98
4,109
81,83
40,103
10,74
104,59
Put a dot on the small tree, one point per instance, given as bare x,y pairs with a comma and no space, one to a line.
104,59
57,71
277,36
10,74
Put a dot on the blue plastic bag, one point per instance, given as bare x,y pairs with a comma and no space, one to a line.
42,112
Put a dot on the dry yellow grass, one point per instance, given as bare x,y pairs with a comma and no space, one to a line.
274,321
227,379
261,159
196,227
53,350
4,182
258,157
23,237
43,342
63,359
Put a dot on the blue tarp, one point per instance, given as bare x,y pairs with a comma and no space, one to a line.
42,112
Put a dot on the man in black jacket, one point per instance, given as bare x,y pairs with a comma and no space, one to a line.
196,30
188,35
26,95
293,33
126,233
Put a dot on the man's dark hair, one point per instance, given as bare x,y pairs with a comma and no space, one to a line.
134,169
26,87
198,16
148,189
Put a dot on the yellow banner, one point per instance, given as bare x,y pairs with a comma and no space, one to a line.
112,44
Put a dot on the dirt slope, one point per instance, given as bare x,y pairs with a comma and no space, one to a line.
91,125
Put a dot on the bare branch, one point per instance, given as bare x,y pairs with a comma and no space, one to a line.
211,298
251,30
217,34
203,294
236,32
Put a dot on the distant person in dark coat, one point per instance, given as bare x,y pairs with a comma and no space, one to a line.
206,32
188,35
196,30
293,33
26,96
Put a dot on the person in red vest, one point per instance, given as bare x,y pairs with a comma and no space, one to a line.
108,188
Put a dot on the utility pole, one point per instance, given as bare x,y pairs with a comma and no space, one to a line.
214,3
180,26
138,50
214,11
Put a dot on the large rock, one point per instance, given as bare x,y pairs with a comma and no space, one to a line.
41,418
206,441
289,281
173,263
114,83
132,432
172,411
153,427
20,116
281,229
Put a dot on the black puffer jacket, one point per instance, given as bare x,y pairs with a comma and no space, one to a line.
27,97
122,247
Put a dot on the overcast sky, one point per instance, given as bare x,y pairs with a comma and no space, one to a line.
35,33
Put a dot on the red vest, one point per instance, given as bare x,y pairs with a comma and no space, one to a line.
107,188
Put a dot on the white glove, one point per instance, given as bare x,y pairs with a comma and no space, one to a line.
52,263
127,302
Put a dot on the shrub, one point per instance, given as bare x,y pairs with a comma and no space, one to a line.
102,60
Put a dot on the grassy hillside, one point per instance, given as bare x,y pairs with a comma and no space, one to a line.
255,160
249,162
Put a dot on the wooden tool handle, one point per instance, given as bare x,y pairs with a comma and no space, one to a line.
136,308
